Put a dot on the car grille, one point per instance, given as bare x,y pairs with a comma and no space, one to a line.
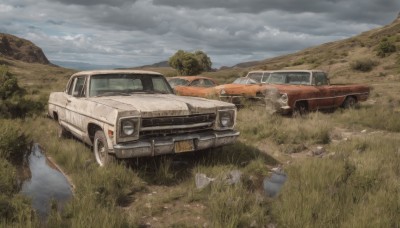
163,126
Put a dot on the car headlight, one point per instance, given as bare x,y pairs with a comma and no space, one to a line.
284,98
128,127
226,118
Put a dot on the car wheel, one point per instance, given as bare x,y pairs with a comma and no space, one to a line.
350,102
100,149
301,109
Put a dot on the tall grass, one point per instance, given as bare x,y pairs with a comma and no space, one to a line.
255,125
15,210
233,206
379,116
351,189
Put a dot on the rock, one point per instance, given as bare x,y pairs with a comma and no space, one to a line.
318,151
233,177
202,180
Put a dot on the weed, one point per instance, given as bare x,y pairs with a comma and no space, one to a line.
385,48
231,206
363,65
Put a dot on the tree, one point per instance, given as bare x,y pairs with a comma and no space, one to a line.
187,63
204,60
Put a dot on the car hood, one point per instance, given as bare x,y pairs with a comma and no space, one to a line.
233,89
152,105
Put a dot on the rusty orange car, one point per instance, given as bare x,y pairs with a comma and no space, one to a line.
245,88
301,91
196,86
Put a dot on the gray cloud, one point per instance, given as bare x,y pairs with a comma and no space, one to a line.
142,32
95,2
353,10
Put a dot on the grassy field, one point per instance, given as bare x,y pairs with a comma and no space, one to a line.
343,167
354,183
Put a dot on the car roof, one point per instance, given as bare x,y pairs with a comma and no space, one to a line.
261,71
307,71
93,72
192,78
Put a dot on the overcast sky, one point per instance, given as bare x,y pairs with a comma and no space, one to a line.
139,32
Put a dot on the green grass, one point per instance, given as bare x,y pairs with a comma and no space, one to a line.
353,188
354,184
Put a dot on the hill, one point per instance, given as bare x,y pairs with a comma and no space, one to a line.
345,184
20,49
337,57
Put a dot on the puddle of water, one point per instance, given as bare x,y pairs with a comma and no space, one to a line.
273,184
47,183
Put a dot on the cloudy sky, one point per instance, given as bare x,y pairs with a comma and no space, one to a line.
139,32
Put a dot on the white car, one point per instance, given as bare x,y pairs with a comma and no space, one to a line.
130,113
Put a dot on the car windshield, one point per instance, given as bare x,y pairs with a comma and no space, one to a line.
244,81
127,84
259,77
292,78
178,82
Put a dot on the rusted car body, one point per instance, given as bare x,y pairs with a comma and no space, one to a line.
246,88
309,90
196,86
128,113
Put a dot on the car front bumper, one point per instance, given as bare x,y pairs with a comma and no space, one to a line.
167,144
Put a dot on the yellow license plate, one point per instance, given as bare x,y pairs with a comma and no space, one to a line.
184,146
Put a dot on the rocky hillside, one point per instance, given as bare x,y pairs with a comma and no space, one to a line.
371,53
20,49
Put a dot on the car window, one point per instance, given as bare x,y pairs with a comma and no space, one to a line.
127,84
208,83
265,77
293,78
196,82
256,76
177,82
77,87
160,85
320,78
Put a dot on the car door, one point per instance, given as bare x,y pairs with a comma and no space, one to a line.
74,110
324,97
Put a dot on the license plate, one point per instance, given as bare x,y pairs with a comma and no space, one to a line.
184,146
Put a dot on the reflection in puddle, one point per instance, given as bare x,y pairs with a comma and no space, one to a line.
46,183
273,184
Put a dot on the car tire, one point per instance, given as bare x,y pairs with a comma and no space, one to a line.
350,102
100,149
301,109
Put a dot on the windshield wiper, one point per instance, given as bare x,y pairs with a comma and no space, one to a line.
113,93
155,91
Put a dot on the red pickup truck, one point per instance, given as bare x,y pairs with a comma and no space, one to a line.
300,91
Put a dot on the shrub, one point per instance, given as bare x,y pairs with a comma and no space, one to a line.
13,144
8,179
385,48
12,103
8,83
363,65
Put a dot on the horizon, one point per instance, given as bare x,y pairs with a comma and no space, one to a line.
144,32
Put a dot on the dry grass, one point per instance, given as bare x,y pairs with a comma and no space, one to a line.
353,184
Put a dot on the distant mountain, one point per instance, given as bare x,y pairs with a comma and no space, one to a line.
159,64
84,66
20,49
